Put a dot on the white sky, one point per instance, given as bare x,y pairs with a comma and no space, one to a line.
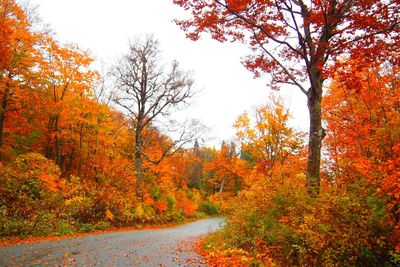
228,89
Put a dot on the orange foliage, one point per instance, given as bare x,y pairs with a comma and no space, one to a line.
161,206
189,207
268,143
18,56
363,115
109,215
52,112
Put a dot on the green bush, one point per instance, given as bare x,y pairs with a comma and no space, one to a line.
65,228
14,226
102,225
171,202
155,192
208,208
86,227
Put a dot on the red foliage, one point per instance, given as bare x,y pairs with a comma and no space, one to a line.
361,29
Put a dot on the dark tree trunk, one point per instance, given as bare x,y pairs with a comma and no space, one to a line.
3,114
316,135
69,165
138,162
80,150
57,145
2,118
49,146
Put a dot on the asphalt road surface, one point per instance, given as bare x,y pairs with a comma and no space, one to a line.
164,247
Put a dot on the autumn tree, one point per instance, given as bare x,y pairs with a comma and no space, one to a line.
196,168
226,169
187,165
268,140
363,115
362,112
17,58
146,90
298,43
66,83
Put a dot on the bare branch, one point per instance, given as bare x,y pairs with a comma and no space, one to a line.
291,77
260,28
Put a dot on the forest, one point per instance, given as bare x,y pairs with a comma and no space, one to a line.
82,150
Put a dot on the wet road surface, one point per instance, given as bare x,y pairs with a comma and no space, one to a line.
164,247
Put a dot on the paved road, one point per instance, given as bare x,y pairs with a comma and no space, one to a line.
165,247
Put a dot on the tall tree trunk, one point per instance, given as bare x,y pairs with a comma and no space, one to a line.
3,114
69,166
49,146
57,145
138,162
80,150
316,135
2,118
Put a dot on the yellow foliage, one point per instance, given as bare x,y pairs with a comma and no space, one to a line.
139,211
76,201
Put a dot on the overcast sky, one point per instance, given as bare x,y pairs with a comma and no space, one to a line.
227,88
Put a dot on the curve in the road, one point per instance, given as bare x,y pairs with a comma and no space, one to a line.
164,247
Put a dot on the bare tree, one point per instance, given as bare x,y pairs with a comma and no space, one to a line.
146,90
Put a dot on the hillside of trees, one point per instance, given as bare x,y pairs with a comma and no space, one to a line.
76,156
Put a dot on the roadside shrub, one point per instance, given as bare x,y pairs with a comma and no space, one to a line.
35,201
30,196
102,225
171,200
65,228
79,208
86,227
348,228
208,208
143,213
